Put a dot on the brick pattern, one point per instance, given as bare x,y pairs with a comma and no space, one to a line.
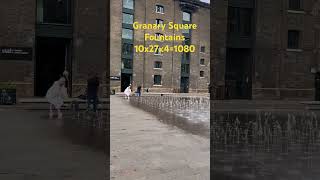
17,29
291,77
90,40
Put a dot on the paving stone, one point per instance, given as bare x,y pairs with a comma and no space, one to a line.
161,152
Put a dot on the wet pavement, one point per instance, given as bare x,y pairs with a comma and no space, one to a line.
265,140
144,148
36,148
191,114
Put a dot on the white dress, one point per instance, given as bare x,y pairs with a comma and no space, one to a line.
127,92
56,94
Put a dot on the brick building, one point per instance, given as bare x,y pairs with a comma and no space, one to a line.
166,72
39,39
265,49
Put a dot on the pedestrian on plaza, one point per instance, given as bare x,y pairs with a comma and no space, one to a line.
56,95
138,93
93,84
127,92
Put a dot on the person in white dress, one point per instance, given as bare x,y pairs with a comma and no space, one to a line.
127,92
56,95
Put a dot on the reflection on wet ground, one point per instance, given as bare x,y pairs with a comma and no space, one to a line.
191,114
265,145
84,129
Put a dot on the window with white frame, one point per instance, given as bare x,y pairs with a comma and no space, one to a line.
157,64
202,49
159,9
157,79
157,51
202,74
159,36
202,61
293,39
159,21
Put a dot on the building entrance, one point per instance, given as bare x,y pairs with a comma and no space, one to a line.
125,81
184,87
238,75
51,58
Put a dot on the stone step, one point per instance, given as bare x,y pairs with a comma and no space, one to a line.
46,107
42,104
67,101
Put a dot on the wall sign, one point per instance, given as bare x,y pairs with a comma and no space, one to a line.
16,53
115,78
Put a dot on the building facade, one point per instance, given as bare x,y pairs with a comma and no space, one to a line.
41,39
265,49
159,72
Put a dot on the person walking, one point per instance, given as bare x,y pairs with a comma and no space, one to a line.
93,84
56,95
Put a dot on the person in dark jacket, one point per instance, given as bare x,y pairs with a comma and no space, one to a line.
93,84
138,92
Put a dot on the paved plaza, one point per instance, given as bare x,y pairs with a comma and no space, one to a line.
34,148
143,148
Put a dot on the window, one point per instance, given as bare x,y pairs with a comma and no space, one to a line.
157,52
159,21
127,49
201,61
158,65
186,56
157,79
128,4
201,73
127,34
293,39
202,49
240,21
295,4
126,64
127,18
185,31
245,18
185,68
54,11
159,37
159,9
186,16
187,41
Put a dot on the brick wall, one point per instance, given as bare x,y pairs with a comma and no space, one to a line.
17,29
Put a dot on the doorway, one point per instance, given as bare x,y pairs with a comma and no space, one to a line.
238,74
184,87
51,58
125,81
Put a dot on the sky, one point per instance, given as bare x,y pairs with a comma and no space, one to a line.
208,1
